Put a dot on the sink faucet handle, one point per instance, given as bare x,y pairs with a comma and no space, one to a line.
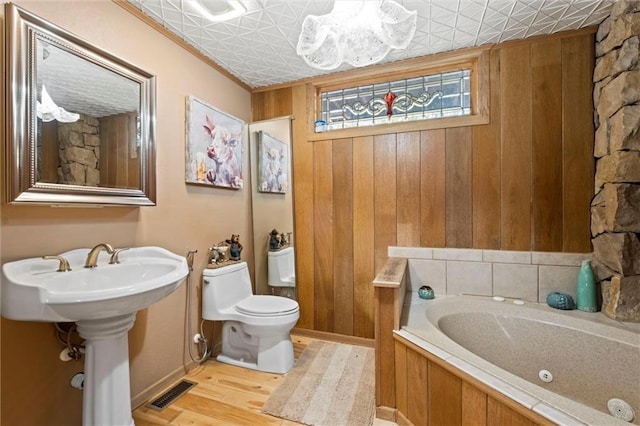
64,263
114,256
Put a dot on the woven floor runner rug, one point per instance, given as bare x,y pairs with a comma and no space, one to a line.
330,384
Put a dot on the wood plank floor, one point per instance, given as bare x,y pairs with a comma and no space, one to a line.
225,395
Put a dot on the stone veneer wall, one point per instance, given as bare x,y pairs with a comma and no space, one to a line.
79,152
615,209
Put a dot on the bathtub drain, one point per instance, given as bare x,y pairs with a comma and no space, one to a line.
620,409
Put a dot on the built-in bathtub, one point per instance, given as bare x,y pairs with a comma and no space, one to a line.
505,346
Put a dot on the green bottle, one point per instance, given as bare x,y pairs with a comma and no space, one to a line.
586,289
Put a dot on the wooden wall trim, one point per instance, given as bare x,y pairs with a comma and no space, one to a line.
386,413
409,126
402,420
390,290
392,273
560,35
334,337
385,350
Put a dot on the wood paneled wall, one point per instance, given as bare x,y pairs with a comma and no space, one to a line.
48,159
522,182
119,154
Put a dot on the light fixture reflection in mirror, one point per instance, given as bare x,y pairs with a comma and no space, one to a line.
83,129
48,110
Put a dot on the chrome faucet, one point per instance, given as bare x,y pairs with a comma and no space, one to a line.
92,257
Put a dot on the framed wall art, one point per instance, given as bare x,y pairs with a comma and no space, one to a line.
213,146
273,164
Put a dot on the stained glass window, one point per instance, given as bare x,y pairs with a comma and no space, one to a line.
419,98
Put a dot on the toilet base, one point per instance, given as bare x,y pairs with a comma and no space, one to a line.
289,292
271,353
238,363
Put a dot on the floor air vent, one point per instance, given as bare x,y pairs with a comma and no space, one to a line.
167,398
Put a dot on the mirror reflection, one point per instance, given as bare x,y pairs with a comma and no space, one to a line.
270,152
87,122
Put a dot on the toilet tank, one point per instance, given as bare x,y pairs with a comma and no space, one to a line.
281,268
223,288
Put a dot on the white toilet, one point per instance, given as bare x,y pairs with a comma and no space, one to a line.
281,271
256,330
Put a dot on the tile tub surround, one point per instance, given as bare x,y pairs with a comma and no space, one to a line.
516,274
418,326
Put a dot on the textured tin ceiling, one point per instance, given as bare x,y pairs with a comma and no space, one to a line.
259,47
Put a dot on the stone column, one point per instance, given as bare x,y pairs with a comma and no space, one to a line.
79,155
615,209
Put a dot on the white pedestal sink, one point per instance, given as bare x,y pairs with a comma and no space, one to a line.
103,301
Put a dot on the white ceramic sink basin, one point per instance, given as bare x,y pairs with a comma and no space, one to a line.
32,289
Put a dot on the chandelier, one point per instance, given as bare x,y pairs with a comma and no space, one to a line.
359,33
47,110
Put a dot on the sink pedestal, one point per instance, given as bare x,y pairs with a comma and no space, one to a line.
103,302
107,395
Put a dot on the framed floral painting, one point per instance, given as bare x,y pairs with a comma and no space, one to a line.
213,146
273,164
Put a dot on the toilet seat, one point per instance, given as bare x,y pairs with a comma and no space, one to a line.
267,306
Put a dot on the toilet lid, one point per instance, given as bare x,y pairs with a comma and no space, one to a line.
267,306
